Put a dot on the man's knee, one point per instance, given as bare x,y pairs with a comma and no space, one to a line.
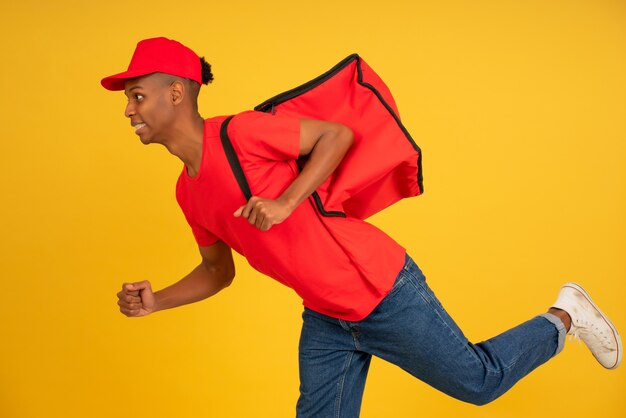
478,397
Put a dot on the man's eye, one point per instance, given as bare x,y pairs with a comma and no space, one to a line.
139,97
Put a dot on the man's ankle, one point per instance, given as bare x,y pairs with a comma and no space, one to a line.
563,316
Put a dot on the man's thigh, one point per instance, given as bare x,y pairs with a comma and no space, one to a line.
332,370
410,328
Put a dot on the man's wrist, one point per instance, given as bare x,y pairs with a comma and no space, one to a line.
288,202
158,301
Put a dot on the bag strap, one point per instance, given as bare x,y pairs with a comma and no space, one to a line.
233,160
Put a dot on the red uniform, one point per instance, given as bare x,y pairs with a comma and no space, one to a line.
341,267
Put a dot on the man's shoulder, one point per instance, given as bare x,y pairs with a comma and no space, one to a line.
239,115
215,121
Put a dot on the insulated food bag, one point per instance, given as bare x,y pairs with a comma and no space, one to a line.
383,165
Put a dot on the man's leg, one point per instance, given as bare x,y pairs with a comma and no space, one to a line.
332,369
411,329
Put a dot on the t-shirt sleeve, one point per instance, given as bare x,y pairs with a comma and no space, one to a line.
203,236
266,136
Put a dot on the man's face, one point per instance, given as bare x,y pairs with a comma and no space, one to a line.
149,107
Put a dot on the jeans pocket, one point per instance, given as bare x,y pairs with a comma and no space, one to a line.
418,280
401,280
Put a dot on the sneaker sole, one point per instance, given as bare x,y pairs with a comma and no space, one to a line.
579,288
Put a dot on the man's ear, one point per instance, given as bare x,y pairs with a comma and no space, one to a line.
177,92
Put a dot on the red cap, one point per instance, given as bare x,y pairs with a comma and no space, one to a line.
158,55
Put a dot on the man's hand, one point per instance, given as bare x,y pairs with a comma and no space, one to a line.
264,213
136,299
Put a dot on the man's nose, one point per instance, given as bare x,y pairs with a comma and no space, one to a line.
130,110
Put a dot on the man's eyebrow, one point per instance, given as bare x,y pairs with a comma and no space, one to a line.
131,89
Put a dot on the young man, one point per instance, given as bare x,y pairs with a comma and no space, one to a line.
363,295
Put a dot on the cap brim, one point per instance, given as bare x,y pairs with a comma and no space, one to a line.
118,81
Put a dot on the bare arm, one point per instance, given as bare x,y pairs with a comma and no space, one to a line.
214,273
326,143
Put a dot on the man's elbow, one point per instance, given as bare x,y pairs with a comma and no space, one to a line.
346,134
228,282
228,277
220,277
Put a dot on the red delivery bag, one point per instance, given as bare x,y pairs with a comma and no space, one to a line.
383,165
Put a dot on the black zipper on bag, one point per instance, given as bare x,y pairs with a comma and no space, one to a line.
406,133
318,201
269,105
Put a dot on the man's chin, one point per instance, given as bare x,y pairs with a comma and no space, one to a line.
145,140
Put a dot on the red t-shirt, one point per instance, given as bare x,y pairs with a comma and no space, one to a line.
341,267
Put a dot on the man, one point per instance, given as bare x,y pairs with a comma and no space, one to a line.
363,295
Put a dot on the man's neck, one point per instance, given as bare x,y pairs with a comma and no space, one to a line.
186,143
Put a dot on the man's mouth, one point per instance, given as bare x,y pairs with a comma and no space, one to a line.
139,126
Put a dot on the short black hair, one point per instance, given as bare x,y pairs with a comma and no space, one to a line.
207,75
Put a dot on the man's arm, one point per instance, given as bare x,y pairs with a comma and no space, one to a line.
326,143
214,273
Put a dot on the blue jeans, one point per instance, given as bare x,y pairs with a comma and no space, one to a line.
411,329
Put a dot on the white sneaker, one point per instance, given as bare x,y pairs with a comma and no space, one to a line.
590,325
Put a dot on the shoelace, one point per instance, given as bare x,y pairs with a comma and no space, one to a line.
576,335
579,332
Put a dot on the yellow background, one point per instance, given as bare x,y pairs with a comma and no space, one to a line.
519,107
